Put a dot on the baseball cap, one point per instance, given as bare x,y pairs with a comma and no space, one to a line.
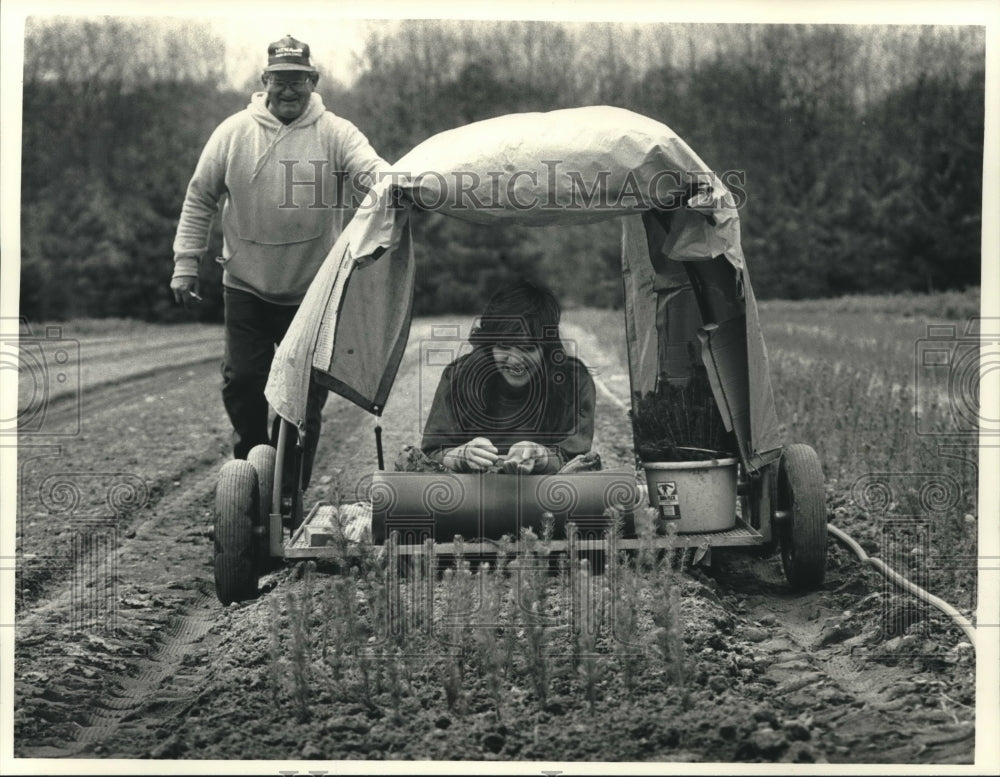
288,54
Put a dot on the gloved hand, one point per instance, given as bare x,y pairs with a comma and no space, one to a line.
185,289
526,457
474,456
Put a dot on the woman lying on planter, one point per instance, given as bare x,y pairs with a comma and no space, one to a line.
517,403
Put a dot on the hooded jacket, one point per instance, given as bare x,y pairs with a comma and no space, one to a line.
287,193
568,431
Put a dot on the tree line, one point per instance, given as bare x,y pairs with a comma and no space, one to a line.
861,149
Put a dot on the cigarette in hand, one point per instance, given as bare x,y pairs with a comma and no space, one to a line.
195,295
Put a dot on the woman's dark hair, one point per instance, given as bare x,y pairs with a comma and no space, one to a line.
519,313
522,314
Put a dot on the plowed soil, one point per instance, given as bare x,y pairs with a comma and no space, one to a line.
123,650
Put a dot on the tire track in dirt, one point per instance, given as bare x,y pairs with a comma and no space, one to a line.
164,663
177,619
124,435
167,617
826,660
161,686
149,620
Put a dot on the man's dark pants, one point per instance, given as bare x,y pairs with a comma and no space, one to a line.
253,329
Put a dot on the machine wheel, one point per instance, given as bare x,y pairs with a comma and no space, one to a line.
237,507
262,457
802,534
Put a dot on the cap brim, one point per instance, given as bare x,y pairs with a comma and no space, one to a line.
289,67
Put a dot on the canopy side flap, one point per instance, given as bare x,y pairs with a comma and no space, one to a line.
640,307
314,337
405,271
724,356
766,437
373,324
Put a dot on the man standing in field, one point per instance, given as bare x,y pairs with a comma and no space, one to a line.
286,171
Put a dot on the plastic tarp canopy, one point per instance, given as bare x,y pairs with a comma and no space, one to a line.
567,166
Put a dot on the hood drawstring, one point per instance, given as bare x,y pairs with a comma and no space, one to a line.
267,151
313,111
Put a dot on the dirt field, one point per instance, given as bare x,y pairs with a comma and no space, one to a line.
123,651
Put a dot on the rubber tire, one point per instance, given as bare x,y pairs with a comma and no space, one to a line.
263,457
801,493
237,506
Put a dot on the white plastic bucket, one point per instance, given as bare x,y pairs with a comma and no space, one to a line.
699,496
